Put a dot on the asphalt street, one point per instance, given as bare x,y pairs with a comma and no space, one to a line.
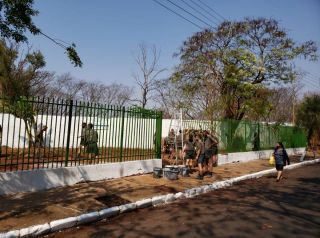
260,207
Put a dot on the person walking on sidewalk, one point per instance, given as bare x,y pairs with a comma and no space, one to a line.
282,158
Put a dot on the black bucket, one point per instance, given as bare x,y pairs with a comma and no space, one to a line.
175,169
184,171
157,172
170,174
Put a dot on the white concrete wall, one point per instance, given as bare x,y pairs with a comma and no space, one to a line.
138,132
253,155
35,180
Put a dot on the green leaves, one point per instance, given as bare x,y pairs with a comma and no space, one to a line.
238,61
73,55
308,114
16,19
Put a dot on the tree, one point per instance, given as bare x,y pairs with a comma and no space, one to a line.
65,86
308,115
282,103
236,62
16,19
21,77
113,94
149,73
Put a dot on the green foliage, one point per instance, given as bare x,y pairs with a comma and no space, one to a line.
17,77
143,113
16,18
238,61
238,144
73,55
308,115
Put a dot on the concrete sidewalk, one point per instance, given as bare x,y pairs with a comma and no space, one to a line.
27,209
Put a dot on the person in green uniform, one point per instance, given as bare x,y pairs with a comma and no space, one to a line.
83,139
92,141
189,152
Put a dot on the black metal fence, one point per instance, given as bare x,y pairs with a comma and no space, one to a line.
48,133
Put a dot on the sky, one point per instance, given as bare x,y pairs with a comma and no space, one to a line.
107,32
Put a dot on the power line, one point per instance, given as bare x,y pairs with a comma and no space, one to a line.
176,13
223,18
190,13
203,9
313,75
189,5
311,82
311,78
307,78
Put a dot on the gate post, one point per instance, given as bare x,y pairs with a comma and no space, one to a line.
158,134
122,132
69,132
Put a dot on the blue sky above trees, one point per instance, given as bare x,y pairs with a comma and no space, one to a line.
107,33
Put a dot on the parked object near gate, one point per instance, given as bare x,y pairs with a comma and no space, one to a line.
157,172
184,171
170,174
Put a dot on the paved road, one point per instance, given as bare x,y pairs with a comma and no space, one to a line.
262,207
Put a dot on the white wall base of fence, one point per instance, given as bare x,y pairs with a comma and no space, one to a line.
36,180
253,155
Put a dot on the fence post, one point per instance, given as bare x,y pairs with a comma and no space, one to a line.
122,132
69,132
158,134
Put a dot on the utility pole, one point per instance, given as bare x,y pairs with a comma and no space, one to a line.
293,109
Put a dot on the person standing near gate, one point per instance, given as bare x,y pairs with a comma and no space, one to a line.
256,142
83,139
39,139
92,141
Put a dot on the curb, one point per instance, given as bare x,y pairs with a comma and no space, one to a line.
69,222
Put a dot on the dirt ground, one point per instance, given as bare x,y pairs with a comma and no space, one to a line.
260,207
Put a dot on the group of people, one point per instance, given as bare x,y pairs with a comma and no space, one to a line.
196,147
88,140
202,148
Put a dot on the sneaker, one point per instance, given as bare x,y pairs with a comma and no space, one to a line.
209,175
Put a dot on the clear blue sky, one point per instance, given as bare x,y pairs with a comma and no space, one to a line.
107,32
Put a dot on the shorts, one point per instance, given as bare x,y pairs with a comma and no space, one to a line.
201,159
92,148
190,154
279,167
210,152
